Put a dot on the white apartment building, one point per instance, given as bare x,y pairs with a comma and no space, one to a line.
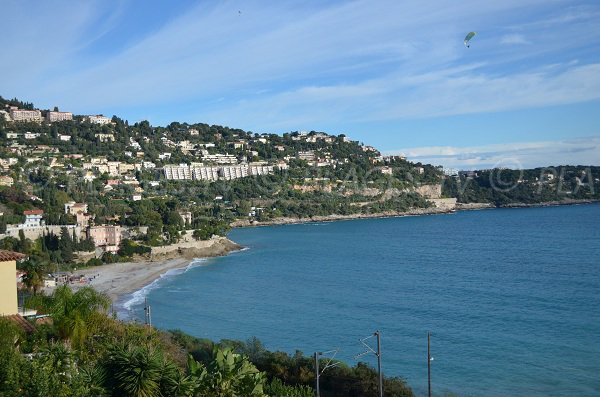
98,119
205,173
213,173
260,169
233,172
177,172
220,158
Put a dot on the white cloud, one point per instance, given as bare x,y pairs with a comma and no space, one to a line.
286,65
441,93
514,38
578,151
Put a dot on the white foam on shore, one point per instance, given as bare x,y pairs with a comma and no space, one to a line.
136,298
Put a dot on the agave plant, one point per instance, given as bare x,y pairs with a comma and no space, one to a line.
229,375
143,371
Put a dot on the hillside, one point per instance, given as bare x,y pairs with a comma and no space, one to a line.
83,177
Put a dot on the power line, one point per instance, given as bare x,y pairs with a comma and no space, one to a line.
377,353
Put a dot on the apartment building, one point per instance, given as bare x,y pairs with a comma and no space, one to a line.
205,173
233,172
213,173
220,158
58,116
23,115
98,119
177,172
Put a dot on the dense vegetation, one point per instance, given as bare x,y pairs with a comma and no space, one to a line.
82,351
539,185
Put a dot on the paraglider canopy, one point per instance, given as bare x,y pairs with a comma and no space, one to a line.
468,38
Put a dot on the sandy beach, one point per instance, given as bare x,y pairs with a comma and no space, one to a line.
119,279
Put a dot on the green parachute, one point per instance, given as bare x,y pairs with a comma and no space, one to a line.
468,38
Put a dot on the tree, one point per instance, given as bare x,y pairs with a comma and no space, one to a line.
77,314
66,245
34,274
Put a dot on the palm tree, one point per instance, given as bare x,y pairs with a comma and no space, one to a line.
76,314
34,277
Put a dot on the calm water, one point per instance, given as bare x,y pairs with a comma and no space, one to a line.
511,297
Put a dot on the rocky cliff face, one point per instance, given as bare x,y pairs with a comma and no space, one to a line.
430,191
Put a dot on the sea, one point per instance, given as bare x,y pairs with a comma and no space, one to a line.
510,297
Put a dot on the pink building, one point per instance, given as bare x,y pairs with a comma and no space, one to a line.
58,116
106,237
25,115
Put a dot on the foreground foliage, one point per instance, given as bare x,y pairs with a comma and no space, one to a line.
85,352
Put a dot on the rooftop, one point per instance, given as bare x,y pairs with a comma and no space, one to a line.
10,256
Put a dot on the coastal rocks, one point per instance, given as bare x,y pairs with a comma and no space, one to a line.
329,218
217,246
447,204
474,206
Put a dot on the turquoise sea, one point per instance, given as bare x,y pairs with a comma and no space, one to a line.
511,297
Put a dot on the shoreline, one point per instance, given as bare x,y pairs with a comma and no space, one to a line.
123,278
338,217
117,280
412,212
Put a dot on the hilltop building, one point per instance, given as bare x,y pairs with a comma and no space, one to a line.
213,173
24,115
58,116
98,119
33,218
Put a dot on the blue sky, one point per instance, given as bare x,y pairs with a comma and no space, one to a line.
392,74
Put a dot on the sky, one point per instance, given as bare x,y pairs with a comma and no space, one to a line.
391,74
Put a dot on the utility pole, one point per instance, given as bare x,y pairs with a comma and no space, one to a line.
428,365
329,364
147,313
317,354
377,353
378,334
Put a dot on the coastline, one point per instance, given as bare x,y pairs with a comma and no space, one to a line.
338,217
412,212
120,279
